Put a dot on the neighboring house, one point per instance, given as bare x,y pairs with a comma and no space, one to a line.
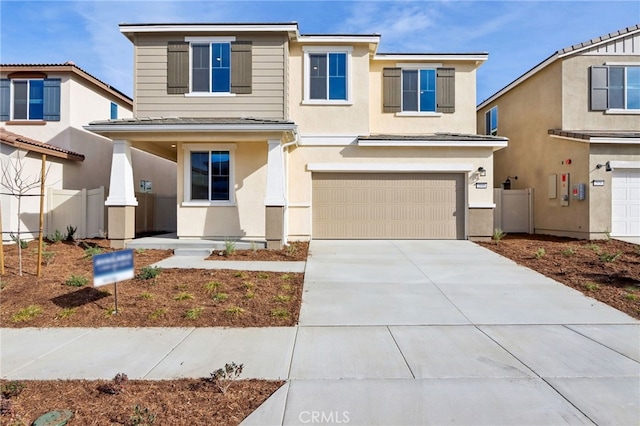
43,109
280,136
573,123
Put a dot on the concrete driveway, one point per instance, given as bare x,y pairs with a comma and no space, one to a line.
447,332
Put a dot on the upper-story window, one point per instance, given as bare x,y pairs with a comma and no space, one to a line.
491,122
327,74
615,87
418,90
114,111
209,66
36,99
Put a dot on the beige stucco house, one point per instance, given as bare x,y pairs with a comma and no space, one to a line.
43,108
281,136
573,123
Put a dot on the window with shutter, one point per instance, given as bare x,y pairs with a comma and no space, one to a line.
215,67
614,88
30,99
419,90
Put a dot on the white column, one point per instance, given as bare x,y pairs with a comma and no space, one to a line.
275,175
121,188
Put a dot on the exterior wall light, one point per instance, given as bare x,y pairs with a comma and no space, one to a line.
482,171
607,167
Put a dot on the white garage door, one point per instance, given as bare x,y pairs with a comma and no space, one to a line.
625,203
388,206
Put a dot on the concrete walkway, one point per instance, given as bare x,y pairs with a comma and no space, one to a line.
390,332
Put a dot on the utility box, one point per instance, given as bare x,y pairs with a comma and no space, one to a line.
578,191
564,189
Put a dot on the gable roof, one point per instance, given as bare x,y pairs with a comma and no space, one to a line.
562,53
23,142
72,68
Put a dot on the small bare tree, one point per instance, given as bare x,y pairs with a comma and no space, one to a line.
19,185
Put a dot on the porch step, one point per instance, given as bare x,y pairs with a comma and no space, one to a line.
203,252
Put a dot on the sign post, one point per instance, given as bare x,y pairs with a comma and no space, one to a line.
110,268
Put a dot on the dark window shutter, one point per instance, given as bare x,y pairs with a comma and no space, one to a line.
51,99
599,88
446,90
5,99
177,67
392,89
241,67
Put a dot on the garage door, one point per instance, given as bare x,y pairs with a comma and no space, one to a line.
625,203
388,205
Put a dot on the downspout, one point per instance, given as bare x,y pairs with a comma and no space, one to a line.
285,224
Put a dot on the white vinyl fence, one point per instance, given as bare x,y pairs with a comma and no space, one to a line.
82,209
514,210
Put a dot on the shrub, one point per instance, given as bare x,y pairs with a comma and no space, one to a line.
157,313
47,257
12,389
592,286
89,251
71,232
148,273
610,257
540,253
23,243
229,247
280,313
193,313
220,297
212,286
145,295
250,294
116,386
76,281
56,237
498,235
26,314
224,377
234,310
183,295
141,417
66,313
282,298
568,251
631,296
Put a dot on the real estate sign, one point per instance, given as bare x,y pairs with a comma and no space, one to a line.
112,267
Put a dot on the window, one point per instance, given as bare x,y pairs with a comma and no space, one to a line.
114,111
30,99
209,66
327,74
209,175
615,87
419,90
491,122
328,82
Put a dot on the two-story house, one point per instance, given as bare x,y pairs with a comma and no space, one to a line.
281,136
573,123
43,108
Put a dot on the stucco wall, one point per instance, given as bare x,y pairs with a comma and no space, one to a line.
246,219
463,120
331,119
299,190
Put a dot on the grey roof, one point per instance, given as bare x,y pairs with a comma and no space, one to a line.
551,58
591,134
598,39
142,121
433,137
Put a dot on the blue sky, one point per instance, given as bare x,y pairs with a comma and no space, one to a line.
516,34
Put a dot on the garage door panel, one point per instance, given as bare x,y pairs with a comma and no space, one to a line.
361,205
625,202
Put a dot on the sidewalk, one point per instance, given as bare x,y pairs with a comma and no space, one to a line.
391,332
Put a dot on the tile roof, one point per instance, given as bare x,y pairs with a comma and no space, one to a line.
433,137
591,134
19,141
142,121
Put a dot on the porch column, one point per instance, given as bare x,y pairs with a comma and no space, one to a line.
275,199
121,201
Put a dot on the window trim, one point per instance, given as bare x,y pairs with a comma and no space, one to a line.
12,105
489,113
435,91
187,149
209,41
309,50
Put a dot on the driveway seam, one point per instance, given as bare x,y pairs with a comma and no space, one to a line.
400,350
568,326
